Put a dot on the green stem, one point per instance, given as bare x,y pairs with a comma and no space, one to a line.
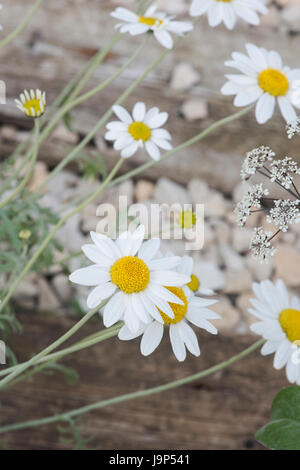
22,367
55,229
102,121
22,25
50,358
131,396
183,146
31,167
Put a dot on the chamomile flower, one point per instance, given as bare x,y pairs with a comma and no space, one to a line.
159,23
32,103
182,336
264,80
130,272
186,267
279,325
143,129
227,11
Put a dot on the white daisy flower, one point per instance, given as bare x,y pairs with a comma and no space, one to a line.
186,267
227,11
130,272
159,23
264,80
279,324
143,129
182,336
32,103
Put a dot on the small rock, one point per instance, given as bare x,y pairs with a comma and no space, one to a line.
8,133
230,315
237,281
222,231
215,206
47,298
259,271
40,174
243,304
143,190
230,258
291,16
62,287
241,239
168,192
287,262
199,191
184,77
63,134
194,109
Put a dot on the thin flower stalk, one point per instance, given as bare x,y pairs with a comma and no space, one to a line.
10,37
31,167
134,395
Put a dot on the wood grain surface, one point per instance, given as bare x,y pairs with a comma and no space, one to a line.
222,411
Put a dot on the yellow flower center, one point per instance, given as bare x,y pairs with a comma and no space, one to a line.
150,21
194,283
274,82
130,274
178,310
186,219
34,104
139,131
290,323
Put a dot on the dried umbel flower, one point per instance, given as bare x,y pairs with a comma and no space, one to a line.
293,128
280,212
284,213
282,170
255,160
251,199
260,245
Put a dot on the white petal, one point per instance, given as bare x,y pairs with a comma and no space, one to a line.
189,338
274,60
257,56
100,293
265,108
152,150
199,7
117,126
123,141
139,308
165,294
177,343
139,111
126,335
151,338
94,254
114,309
127,152
124,14
287,109
246,13
282,354
91,276
229,16
170,262
164,38
247,97
162,143
169,278
157,120
122,114
149,249
215,14
105,245
130,318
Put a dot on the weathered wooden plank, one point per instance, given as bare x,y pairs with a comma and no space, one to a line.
64,34
222,411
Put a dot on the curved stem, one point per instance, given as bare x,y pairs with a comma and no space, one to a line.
131,396
22,25
22,367
31,167
50,358
59,224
